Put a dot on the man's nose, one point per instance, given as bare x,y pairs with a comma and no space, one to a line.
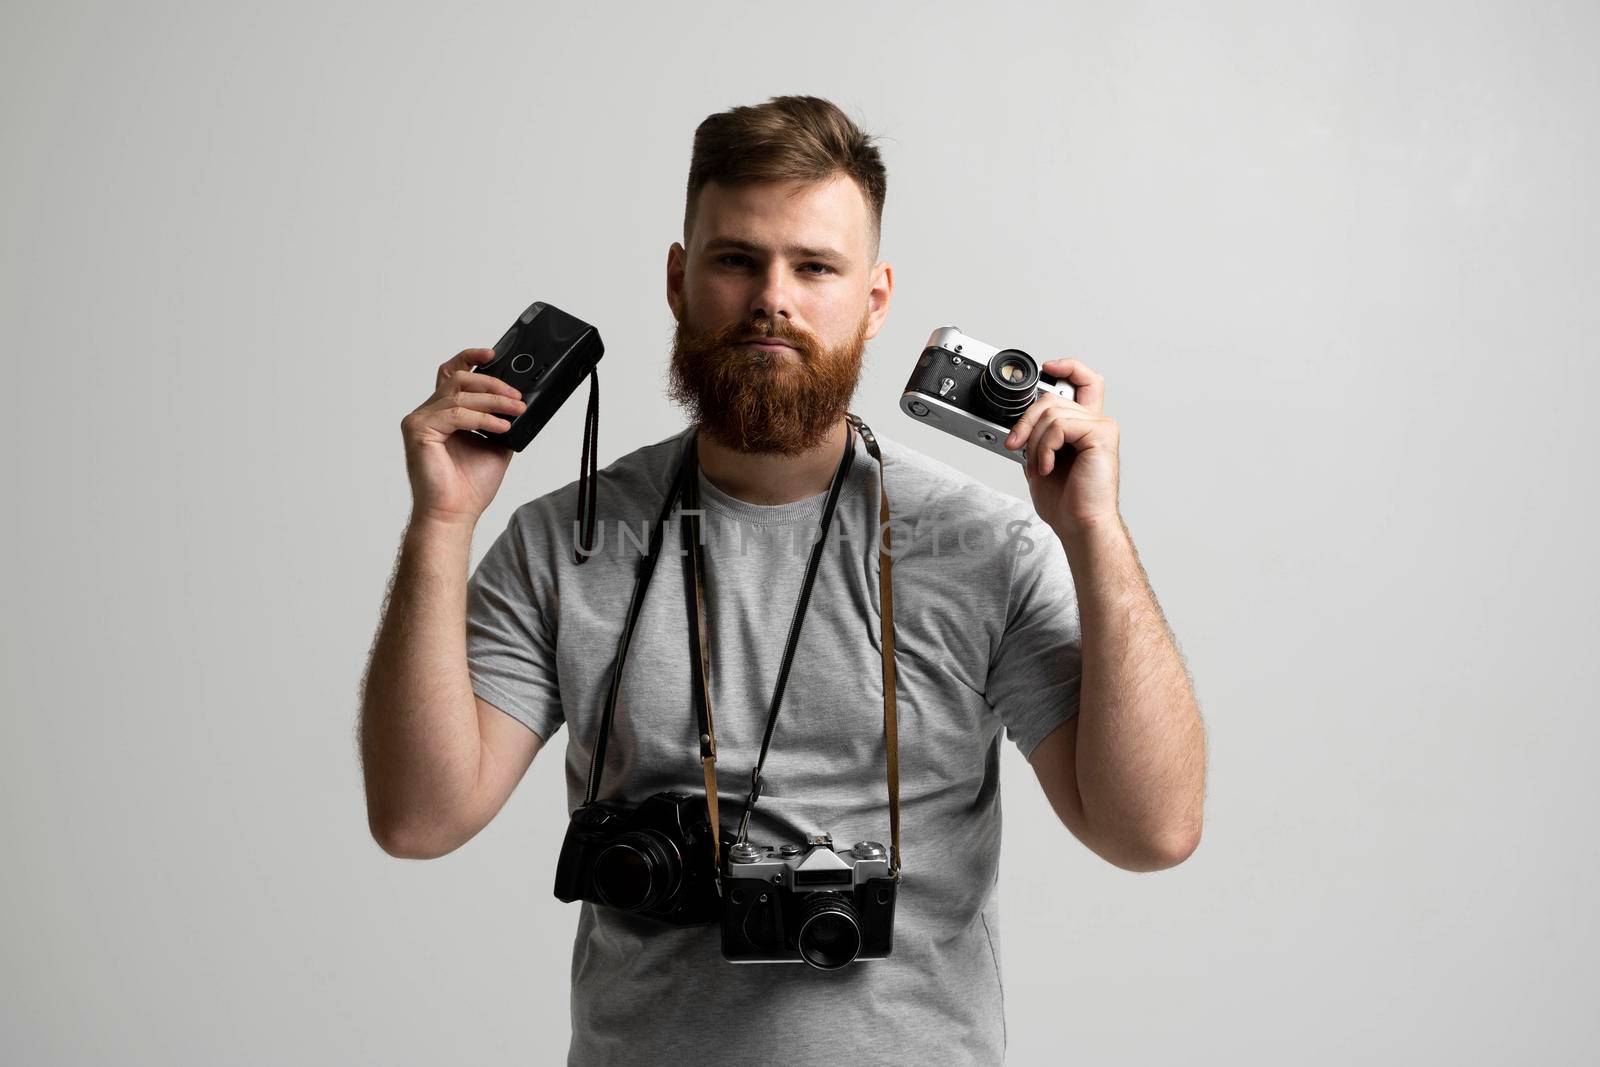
771,298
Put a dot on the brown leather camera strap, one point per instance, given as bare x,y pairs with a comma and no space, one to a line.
699,644
891,726
686,487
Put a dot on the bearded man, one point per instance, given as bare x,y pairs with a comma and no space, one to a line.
996,618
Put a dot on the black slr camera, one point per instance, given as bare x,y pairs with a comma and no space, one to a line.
975,391
814,904
654,859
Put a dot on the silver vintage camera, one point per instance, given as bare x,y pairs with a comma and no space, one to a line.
975,391
811,903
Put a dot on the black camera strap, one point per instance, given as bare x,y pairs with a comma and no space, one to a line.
588,474
801,603
696,600
686,487
890,724
647,566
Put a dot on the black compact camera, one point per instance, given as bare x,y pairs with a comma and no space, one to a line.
975,391
654,859
810,904
545,354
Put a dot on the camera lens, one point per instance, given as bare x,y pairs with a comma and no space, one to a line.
1010,383
638,870
829,936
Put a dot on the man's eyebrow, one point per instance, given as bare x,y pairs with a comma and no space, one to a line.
798,251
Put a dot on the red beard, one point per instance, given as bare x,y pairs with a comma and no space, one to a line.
759,401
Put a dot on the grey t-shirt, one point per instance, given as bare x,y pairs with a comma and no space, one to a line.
986,636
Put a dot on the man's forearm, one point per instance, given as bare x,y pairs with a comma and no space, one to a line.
420,744
1140,740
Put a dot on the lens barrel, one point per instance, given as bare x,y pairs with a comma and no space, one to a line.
638,870
1010,384
829,936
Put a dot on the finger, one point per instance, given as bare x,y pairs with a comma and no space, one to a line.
479,400
1088,388
1035,448
1053,438
1062,428
467,357
452,417
1022,429
480,383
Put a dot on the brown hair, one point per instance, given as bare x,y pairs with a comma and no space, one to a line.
787,139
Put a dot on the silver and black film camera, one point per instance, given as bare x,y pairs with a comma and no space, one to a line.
975,391
810,903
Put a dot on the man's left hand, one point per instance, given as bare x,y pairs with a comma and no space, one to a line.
1077,489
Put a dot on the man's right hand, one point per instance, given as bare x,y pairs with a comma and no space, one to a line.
455,475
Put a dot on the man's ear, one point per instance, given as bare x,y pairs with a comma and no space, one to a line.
882,287
676,258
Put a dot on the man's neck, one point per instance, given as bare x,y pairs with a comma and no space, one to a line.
773,479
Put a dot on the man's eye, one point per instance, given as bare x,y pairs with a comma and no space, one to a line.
825,269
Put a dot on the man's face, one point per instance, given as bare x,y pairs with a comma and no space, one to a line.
788,262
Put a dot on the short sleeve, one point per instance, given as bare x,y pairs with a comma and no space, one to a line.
511,645
1037,667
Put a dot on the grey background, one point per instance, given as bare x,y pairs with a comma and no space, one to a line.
1336,261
